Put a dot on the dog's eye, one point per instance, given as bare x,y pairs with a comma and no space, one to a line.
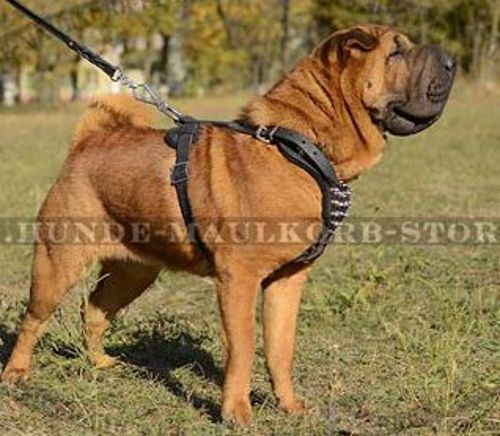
395,55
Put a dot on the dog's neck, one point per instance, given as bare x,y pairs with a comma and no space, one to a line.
310,100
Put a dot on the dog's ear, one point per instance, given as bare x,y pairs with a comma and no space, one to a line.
360,39
355,41
347,44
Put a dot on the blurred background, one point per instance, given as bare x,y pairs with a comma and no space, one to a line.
394,339
199,47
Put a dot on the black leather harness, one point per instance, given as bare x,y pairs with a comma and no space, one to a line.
336,195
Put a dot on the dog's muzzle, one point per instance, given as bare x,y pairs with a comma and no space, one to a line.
433,74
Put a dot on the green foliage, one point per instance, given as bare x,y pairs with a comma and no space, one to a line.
199,45
158,16
469,28
232,40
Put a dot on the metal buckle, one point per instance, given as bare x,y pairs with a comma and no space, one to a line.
179,173
117,75
262,134
265,135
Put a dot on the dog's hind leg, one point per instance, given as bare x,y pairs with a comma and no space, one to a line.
55,269
121,282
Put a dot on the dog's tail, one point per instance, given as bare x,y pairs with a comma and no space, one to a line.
109,113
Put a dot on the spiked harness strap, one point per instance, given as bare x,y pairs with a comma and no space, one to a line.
336,195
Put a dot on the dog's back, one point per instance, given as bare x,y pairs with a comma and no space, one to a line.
109,113
117,171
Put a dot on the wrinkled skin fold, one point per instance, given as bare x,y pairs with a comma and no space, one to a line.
432,75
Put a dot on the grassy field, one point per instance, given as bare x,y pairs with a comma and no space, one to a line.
393,339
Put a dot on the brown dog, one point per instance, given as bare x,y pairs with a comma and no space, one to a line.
355,86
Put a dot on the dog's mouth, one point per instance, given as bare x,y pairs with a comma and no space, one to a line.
400,122
426,95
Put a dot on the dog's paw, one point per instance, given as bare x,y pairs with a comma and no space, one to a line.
293,406
238,412
13,375
103,361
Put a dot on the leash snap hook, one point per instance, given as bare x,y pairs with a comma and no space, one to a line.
144,93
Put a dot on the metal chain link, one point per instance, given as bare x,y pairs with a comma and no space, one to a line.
147,94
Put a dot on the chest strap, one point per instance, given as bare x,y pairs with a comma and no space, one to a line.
183,138
336,195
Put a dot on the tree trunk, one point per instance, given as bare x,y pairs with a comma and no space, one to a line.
150,63
491,56
8,88
227,25
2,86
285,33
477,44
73,79
164,61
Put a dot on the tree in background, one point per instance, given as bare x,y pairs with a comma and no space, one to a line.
144,30
24,46
233,39
194,46
469,28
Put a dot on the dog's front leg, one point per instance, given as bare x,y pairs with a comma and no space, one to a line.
237,293
281,307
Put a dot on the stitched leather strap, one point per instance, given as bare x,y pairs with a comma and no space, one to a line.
307,148
185,137
297,149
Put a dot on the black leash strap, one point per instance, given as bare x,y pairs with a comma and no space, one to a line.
111,70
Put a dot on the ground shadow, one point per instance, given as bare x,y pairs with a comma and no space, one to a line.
7,341
159,357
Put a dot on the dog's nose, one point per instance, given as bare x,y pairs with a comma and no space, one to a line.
441,58
449,62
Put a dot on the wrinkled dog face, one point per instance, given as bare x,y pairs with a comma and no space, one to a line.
404,87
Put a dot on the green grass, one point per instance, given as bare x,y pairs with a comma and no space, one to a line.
393,339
